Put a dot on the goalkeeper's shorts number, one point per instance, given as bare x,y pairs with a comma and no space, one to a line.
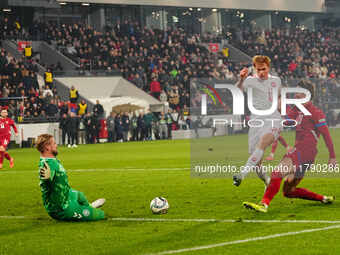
77,215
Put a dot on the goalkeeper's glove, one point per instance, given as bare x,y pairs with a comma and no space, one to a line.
45,171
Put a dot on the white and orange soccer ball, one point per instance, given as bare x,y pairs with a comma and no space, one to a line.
159,205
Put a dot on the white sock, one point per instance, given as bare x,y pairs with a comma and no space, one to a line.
253,160
261,173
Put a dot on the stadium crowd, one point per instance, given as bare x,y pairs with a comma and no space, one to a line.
163,62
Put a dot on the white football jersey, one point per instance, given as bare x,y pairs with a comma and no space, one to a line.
262,90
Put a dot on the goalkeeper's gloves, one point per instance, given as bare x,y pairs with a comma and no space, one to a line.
45,171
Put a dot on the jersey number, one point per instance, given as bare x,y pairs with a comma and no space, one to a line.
77,215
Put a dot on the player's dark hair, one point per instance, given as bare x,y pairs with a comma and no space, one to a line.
42,141
307,85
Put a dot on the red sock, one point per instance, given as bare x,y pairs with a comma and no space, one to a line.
304,194
274,146
1,157
283,141
273,188
7,156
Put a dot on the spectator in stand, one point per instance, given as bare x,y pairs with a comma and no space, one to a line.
82,108
95,128
155,88
134,127
63,127
163,97
138,81
74,95
148,118
142,134
73,128
28,53
169,120
48,78
98,110
111,128
119,128
88,127
52,109
126,126
163,126
63,108
82,131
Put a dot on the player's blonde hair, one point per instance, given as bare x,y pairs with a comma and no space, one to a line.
42,141
260,59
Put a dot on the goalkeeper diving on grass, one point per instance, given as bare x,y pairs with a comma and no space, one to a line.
60,200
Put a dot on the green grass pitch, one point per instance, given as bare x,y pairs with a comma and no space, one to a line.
130,175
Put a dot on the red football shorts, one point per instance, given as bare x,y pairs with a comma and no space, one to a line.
302,159
4,141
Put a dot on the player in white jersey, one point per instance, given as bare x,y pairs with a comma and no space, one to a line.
268,127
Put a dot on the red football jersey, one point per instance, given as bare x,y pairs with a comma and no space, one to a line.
5,126
309,128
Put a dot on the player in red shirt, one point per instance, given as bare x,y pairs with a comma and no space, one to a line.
5,136
297,161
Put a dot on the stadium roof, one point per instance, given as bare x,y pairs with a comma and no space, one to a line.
278,5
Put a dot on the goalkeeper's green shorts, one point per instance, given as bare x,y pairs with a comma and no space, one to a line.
78,209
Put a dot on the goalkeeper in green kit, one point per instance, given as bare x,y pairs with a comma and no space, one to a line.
60,200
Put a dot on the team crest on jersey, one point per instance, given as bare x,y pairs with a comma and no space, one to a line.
273,84
86,212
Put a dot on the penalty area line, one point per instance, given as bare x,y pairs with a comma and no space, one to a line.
197,248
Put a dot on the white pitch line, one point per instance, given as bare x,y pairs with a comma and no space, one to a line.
13,217
225,220
199,220
102,170
246,240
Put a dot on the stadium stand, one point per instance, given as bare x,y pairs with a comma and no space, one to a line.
162,63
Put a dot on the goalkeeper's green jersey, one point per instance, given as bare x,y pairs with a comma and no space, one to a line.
55,191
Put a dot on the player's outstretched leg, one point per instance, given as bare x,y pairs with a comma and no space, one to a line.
256,207
82,200
255,160
291,191
273,187
1,159
98,203
80,210
9,158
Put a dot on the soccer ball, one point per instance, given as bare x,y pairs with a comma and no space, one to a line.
159,205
